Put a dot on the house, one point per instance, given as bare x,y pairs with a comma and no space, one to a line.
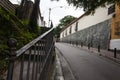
99,29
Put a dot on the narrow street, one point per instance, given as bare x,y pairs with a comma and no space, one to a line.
88,66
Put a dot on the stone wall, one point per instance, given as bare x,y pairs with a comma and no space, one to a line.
95,35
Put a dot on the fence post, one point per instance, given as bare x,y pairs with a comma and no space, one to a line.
76,43
89,46
12,43
98,48
115,50
81,44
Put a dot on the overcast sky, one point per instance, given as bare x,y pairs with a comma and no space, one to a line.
57,13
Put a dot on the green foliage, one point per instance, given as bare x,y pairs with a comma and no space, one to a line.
33,26
3,66
25,22
63,23
66,20
57,32
38,29
12,27
90,5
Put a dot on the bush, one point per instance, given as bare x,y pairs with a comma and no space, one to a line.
12,27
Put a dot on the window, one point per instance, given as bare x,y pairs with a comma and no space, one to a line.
117,33
117,28
70,29
76,27
66,32
63,34
111,9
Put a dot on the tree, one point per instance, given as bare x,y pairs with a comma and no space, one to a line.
34,17
66,20
91,5
63,23
57,31
22,2
29,12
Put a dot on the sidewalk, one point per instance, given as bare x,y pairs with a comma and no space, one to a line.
62,69
105,53
58,74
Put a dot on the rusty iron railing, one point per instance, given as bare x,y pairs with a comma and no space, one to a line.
33,61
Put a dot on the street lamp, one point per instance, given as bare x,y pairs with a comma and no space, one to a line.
50,13
49,17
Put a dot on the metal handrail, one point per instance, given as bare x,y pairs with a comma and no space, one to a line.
33,61
27,46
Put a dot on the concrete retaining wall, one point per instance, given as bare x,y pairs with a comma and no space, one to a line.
95,35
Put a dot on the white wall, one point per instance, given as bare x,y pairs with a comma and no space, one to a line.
100,15
115,43
73,28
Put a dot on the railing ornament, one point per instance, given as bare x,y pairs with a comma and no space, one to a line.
12,43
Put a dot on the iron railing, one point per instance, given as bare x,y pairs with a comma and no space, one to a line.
33,61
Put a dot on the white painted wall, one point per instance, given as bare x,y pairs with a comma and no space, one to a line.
100,15
115,43
68,31
73,27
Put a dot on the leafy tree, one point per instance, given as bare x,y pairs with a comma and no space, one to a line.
91,5
20,9
66,20
32,26
57,31
34,17
63,23
11,27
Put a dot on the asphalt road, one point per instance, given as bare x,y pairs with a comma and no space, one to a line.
88,66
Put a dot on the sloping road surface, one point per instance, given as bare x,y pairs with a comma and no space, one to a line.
88,66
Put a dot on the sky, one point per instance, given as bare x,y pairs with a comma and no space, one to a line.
57,12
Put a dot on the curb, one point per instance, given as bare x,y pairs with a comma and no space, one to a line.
100,54
111,58
66,69
58,74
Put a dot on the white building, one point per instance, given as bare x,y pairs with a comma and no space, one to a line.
79,26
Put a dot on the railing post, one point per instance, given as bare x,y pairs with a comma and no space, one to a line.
12,43
81,44
98,48
115,50
89,46
76,43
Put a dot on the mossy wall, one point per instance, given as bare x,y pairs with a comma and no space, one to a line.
11,27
